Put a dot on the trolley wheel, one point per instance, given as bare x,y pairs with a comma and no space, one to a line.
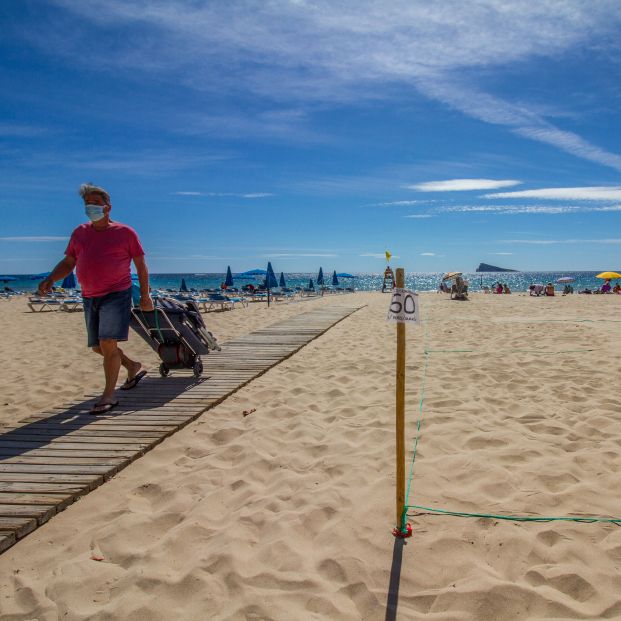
164,370
198,367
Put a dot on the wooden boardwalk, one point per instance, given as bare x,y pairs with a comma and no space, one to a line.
52,459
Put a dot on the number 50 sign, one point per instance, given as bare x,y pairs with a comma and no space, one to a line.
404,307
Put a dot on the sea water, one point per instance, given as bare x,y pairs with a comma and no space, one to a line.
420,281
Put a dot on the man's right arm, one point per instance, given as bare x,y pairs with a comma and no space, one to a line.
64,268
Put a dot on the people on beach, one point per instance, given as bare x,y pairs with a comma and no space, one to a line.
506,288
102,250
389,279
549,290
616,288
606,288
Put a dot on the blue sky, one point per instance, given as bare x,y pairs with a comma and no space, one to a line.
316,132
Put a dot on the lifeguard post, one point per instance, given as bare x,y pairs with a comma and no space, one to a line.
389,279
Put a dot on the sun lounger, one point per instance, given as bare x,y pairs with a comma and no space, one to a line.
217,301
37,304
71,305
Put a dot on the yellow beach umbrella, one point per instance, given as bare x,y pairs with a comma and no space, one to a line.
608,275
451,275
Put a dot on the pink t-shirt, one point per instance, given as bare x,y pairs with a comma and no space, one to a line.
103,257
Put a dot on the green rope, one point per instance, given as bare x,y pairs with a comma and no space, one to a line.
157,322
504,351
517,518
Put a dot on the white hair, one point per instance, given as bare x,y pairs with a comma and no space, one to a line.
89,188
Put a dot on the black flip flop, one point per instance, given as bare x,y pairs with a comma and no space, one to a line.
133,382
103,408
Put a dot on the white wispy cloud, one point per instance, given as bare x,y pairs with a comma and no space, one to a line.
510,210
403,203
462,185
501,253
378,255
419,215
20,130
427,254
34,238
284,255
346,51
545,242
221,194
589,193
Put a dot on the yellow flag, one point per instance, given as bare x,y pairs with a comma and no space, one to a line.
388,255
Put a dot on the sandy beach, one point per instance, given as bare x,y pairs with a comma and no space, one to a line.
286,514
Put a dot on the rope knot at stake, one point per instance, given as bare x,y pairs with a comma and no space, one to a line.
402,533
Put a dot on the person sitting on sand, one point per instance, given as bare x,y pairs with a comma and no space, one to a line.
616,288
606,288
102,251
549,290
506,287
499,288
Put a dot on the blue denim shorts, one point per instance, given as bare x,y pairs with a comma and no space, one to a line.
107,317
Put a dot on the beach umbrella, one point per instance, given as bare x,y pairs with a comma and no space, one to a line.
608,275
39,276
310,284
345,275
183,286
320,280
282,282
8,278
335,280
229,277
69,282
270,277
451,275
566,279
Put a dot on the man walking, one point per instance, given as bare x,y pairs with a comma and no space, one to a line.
102,251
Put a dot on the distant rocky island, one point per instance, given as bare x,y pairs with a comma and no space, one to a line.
484,267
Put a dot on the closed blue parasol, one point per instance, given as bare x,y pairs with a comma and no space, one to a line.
270,277
320,280
281,282
229,277
69,282
335,280
183,286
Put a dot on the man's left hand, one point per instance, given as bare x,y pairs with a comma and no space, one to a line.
146,304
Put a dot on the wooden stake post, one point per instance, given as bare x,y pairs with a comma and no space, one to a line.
400,408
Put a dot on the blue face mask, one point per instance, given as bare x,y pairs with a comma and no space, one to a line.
94,212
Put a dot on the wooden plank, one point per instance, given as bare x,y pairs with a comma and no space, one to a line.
7,539
97,443
25,487
42,513
60,501
88,480
52,469
64,459
18,526
43,452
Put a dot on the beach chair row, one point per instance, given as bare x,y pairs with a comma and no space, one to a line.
38,304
